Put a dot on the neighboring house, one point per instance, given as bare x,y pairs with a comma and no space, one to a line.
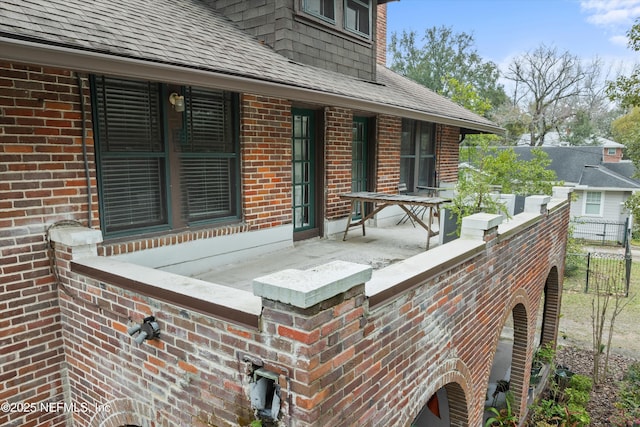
143,141
601,180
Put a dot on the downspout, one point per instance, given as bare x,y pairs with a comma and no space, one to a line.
84,151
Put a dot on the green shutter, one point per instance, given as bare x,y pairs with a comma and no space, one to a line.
131,154
208,156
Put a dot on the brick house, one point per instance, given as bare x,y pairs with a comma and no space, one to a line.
186,132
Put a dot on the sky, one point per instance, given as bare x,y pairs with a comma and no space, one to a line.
505,29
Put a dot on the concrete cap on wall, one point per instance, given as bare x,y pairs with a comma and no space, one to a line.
474,226
305,288
534,204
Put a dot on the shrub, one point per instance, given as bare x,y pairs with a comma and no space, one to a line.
581,383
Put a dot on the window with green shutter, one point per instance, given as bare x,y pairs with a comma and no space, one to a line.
208,156
140,150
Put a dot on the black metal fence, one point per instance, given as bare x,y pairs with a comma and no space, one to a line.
600,232
605,271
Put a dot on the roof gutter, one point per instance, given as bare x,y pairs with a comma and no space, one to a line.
101,63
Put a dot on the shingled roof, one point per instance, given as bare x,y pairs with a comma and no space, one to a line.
584,165
187,42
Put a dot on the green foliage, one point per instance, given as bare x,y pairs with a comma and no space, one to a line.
628,402
513,119
442,56
575,259
546,353
576,397
495,169
256,423
577,415
581,383
582,129
504,416
465,95
626,130
547,411
625,89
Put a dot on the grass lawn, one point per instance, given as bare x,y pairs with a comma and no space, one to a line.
576,316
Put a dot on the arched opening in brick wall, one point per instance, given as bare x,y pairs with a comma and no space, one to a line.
507,373
124,413
550,309
446,407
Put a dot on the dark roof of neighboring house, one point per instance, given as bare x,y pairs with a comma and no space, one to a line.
583,165
186,41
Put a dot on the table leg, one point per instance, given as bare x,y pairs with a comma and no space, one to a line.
430,224
362,216
353,203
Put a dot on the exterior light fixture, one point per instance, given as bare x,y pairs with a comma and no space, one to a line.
147,330
177,101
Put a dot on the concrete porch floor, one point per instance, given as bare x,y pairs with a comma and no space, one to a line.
379,248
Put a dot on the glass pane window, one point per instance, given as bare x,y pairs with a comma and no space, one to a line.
136,164
593,202
208,156
417,155
357,16
322,8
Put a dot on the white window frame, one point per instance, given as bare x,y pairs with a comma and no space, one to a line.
587,203
611,151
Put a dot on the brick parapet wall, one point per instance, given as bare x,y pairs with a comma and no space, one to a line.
340,362
42,181
389,135
447,153
265,137
338,141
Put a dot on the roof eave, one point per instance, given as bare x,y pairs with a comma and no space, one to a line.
101,63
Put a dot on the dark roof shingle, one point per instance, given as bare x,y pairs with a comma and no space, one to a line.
191,35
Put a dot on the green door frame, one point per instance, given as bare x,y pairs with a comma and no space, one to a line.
359,160
304,170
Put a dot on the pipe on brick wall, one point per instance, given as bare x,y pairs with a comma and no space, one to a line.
84,151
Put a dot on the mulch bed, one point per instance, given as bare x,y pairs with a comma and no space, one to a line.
601,405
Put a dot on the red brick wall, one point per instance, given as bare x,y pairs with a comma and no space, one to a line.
447,153
388,154
42,180
612,158
265,138
341,362
338,137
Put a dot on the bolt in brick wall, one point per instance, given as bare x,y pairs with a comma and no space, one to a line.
42,180
338,138
388,156
265,138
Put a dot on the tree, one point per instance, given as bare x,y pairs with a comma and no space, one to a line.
513,119
548,84
626,89
443,58
493,168
581,129
626,130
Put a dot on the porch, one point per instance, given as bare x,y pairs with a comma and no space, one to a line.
379,248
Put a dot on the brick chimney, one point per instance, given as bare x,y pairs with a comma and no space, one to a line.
381,35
